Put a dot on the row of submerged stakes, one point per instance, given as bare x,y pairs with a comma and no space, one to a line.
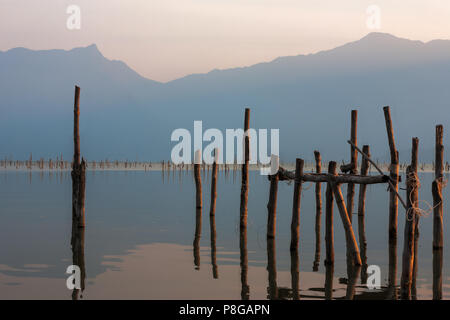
356,253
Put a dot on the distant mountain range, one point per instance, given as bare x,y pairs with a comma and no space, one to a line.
308,97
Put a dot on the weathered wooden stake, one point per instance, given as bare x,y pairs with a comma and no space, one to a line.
295,275
198,208
329,233
272,269
212,213
77,243
318,211
198,178
438,219
352,246
272,206
78,169
412,198
212,208
393,202
244,185
329,273
295,223
245,288
361,214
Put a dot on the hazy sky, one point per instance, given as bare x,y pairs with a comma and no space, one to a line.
167,39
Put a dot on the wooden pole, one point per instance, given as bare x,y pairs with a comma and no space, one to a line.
198,208
212,208
212,213
272,206
198,179
329,233
381,172
438,219
352,246
76,127
244,185
329,273
295,275
318,211
353,162
245,288
77,243
272,269
361,214
78,169
393,202
412,197
295,223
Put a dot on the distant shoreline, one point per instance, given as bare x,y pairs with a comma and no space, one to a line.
158,166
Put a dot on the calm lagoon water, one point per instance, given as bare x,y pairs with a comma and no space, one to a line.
138,241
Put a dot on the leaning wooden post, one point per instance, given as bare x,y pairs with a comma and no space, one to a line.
408,249
438,219
329,233
244,185
352,246
393,201
361,214
78,168
295,223
318,211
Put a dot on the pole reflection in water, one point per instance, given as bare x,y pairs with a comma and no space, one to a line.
295,274
245,289
77,242
212,215
272,269
198,234
329,273
198,209
353,276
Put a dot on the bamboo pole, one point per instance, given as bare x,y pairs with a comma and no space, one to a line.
244,185
295,223
438,223
318,190
361,214
329,232
408,249
393,202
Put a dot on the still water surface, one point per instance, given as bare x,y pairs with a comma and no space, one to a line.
140,227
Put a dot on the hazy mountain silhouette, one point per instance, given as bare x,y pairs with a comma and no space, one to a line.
308,97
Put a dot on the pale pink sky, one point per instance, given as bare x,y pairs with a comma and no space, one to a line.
167,39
